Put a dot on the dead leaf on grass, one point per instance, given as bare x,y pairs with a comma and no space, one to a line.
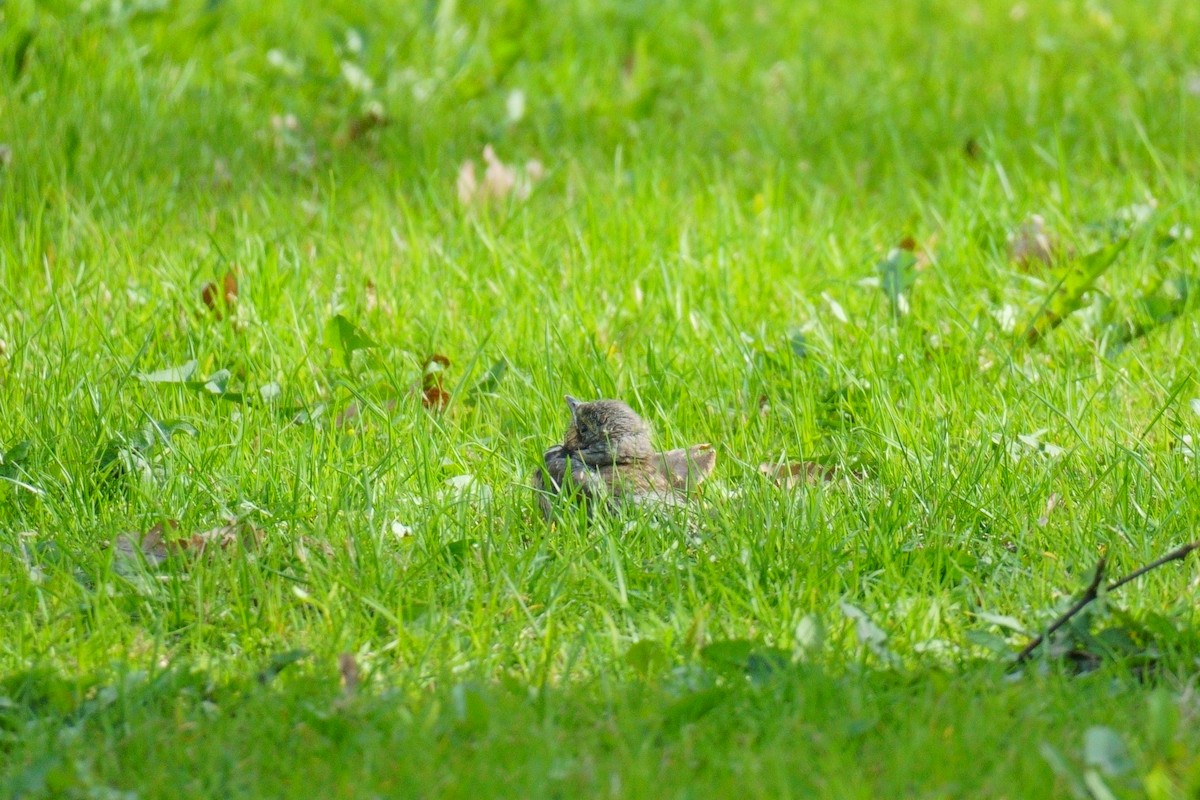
348,668
353,412
800,473
687,467
373,117
371,296
221,299
155,548
1033,245
224,537
433,394
1052,502
500,181
150,546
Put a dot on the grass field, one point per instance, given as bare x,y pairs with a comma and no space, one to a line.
233,237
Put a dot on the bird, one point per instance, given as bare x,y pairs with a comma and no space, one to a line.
607,461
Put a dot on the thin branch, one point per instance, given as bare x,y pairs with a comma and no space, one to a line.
1093,591
1089,595
1175,555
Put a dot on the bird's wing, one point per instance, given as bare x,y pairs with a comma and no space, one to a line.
563,472
640,485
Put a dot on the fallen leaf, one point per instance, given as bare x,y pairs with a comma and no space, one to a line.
372,118
220,300
1052,502
230,284
222,178
353,412
348,668
500,181
1032,244
370,296
799,473
468,184
433,395
686,468
150,546
224,537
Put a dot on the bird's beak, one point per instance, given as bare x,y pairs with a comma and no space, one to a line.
572,404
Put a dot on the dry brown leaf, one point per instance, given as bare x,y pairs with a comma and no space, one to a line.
151,544
1033,244
435,397
353,412
222,178
219,300
468,184
687,467
350,414
1052,502
224,537
798,473
500,180
230,284
348,667
433,394
920,250
371,296
372,118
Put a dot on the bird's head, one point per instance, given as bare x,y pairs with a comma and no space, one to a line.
605,432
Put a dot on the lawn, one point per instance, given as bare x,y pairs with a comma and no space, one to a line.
290,296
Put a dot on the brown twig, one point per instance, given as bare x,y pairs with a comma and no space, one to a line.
1089,595
1175,555
1093,591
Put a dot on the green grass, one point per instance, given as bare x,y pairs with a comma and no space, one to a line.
722,182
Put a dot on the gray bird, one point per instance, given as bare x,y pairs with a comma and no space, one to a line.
607,461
